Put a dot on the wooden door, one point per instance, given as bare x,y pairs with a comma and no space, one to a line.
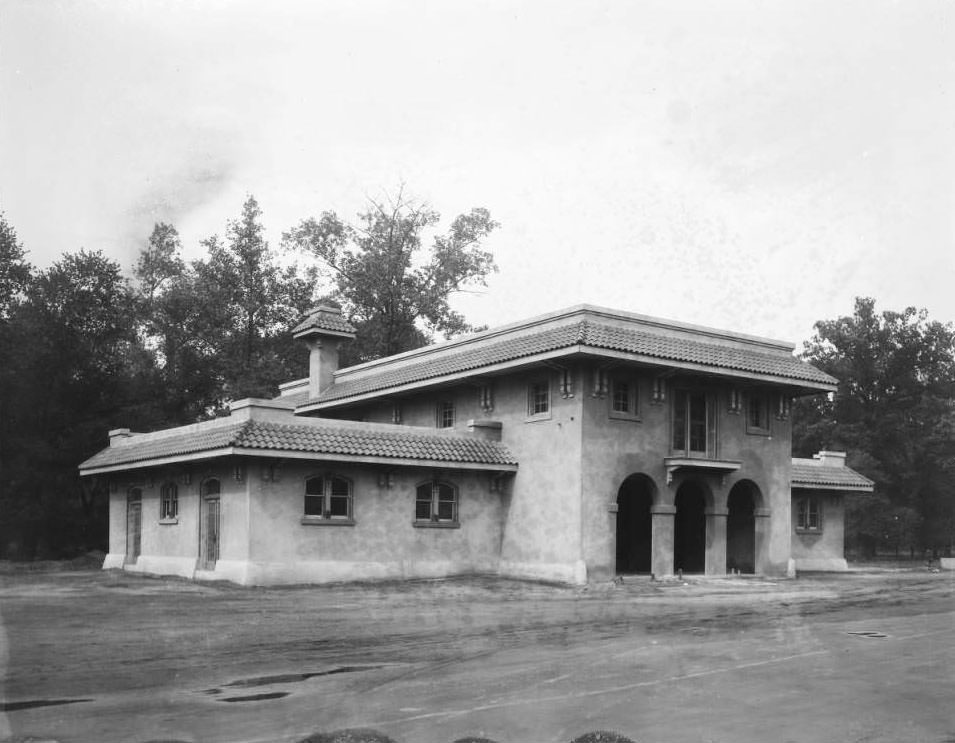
210,534
134,528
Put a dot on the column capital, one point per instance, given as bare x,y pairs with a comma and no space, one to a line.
663,509
762,512
717,511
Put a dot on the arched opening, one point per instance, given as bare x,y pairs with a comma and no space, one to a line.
634,525
741,528
689,529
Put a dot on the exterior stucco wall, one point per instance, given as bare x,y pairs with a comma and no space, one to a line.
613,449
823,549
172,548
542,505
383,542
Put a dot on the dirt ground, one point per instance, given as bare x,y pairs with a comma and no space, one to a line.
101,656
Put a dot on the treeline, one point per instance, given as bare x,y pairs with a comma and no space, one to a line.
894,414
84,348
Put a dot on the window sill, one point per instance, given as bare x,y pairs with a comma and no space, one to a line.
809,532
753,431
616,415
169,522
436,524
320,521
537,417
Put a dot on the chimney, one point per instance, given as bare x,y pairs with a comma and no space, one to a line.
117,435
831,458
323,329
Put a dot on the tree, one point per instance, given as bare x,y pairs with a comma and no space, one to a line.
78,371
15,271
893,411
395,296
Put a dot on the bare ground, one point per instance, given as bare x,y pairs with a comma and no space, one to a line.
105,656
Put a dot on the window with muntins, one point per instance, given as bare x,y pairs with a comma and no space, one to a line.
168,501
538,397
328,497
436,502
445,414
623,398
694,424
809,514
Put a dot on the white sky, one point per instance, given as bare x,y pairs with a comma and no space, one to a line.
746,165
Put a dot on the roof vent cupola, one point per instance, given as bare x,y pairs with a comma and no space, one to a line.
323,329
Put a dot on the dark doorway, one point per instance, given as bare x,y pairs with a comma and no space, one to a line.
741,529
634,525
689,529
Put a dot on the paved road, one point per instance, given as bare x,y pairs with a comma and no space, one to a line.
865,657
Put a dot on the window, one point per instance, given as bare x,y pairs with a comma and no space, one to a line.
757,413
328,497
809,514
623,398
210,487
436,503
445,414
694,423
168,501
538,398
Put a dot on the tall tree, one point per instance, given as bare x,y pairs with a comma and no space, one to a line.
395,293
893,411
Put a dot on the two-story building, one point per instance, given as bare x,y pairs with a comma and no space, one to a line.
574,446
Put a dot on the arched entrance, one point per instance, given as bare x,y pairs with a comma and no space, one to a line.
741,528
689,529
634,524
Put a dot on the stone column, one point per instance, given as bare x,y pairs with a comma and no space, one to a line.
716,541
761,516
661,553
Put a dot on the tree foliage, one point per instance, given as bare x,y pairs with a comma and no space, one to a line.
396,293
893,412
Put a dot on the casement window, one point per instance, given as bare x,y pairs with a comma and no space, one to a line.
757,413
168,501
328,497
538,398
444,414
623,397
694,423
809,513
436,502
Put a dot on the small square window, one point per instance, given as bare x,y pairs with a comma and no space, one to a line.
328,498
538,398
436,503
445,414
623,398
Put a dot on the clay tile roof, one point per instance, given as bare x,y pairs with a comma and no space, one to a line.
654,344
323,437
810,473
324,317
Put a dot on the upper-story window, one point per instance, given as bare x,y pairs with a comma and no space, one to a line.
444,414
623,397
168,501
538,398
694,423
757,412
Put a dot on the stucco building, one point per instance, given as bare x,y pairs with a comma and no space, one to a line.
574,446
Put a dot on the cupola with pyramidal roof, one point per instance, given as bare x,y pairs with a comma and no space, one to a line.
323,330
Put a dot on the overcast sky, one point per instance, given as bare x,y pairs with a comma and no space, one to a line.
746,165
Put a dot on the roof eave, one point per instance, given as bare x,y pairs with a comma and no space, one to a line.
296,454
802,386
